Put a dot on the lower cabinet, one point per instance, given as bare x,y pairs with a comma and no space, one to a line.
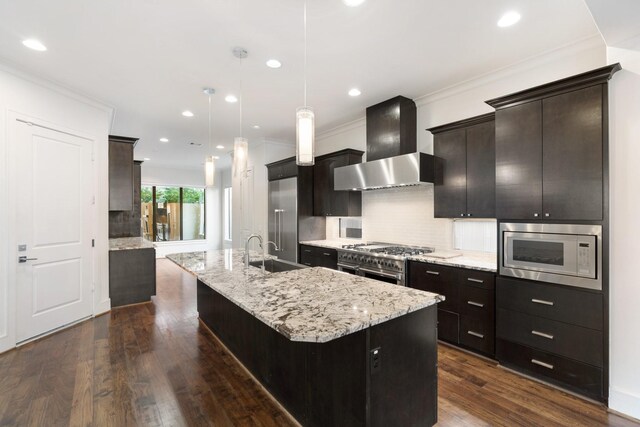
552,332
467,315
315,256
132,276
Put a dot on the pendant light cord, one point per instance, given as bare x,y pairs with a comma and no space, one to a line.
210,143
305,53
240,97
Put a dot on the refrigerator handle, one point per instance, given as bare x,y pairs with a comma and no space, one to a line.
276,224
280,229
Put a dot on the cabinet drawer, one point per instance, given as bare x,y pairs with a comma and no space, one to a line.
436,278
477,334
326,257
555,302
575,342
576,376
480,279
477,302
448,326
307,255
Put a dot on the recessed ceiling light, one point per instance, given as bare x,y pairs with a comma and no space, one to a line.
164,139
187,113
34,44
231,98
354,92
274,63
508,19
353,3
146,159
220,147
256,126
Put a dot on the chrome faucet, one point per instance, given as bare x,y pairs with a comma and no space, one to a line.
246,250
266,247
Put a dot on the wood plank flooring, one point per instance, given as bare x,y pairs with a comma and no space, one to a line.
156,365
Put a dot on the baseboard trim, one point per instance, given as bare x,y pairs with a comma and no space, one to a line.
624,403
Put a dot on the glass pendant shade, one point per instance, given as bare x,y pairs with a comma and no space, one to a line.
240,155
305,136
210,171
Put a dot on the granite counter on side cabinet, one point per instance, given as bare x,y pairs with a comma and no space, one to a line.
132,270
484,261
332,348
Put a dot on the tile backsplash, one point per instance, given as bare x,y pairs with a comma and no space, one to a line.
473,235
404,215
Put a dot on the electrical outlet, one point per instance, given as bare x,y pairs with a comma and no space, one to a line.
376,359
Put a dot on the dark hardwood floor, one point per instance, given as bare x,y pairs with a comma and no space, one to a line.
155,364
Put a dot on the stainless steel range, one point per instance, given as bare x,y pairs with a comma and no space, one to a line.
382,261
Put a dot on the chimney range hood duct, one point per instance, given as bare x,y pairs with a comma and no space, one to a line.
398,171
391,151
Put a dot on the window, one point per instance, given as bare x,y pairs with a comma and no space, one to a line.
228,209
172,213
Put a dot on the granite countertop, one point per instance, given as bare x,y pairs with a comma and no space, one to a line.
311,304
127,243
485,261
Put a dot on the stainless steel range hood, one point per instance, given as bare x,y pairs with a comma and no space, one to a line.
397,171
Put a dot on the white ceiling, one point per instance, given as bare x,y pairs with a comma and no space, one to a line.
150,59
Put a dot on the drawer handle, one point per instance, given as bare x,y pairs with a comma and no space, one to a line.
475,280
475,334
435,273
308,250
542,334
539,363
477,304
326,254
307,263
541,301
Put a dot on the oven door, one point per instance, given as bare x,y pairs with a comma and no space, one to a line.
348,268
383,276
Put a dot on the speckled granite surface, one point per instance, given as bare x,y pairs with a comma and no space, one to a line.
333,243
127,243
312,304
484,261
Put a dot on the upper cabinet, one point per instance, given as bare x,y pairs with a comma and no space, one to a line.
550,142
465,168
391,128
282,169
121,173
326,200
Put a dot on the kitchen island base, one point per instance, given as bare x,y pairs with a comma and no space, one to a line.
385,375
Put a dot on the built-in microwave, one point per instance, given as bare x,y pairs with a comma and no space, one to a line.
566,254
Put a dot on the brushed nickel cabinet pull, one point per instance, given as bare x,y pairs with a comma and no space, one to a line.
475,280
541,301
475,334
539,363
477,304
435,273
542,334
326,254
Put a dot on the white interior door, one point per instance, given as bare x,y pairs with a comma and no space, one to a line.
53,185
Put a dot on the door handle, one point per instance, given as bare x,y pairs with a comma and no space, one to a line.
23,259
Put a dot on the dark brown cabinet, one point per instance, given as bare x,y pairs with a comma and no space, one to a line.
553,332
465,168
121,173
326,200
132,276
391,128
315,256
467,315
550,143
286,168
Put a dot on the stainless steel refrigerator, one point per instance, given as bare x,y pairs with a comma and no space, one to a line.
283,218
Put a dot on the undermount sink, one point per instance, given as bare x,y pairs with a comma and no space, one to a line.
276,265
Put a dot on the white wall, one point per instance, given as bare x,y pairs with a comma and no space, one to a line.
250,193
382,219
46,102
176,177
624,157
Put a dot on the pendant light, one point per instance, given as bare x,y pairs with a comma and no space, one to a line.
240,144
305,119
210,161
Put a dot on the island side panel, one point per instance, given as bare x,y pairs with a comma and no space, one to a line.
404,385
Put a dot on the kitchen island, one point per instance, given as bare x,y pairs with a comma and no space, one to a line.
332,348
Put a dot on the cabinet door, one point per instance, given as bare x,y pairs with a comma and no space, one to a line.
572,159
321,184
519,161
450,190
481,170
338,200
120,176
